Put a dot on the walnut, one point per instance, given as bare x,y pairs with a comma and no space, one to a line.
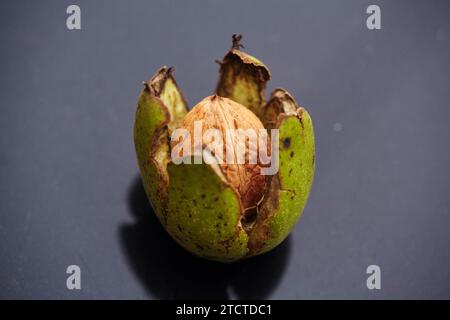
227,116
240,204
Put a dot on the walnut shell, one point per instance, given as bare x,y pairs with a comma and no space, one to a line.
220,113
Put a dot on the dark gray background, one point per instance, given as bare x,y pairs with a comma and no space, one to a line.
69,188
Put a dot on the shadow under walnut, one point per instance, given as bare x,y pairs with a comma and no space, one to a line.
167,271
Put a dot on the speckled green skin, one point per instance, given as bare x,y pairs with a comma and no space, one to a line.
290,189
204,213
195,203
243,79
160,106
151,116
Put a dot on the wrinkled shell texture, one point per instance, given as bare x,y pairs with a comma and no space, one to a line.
205,207
224,115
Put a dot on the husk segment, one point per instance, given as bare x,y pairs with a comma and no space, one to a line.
204,213
160,107
288,192
243,78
